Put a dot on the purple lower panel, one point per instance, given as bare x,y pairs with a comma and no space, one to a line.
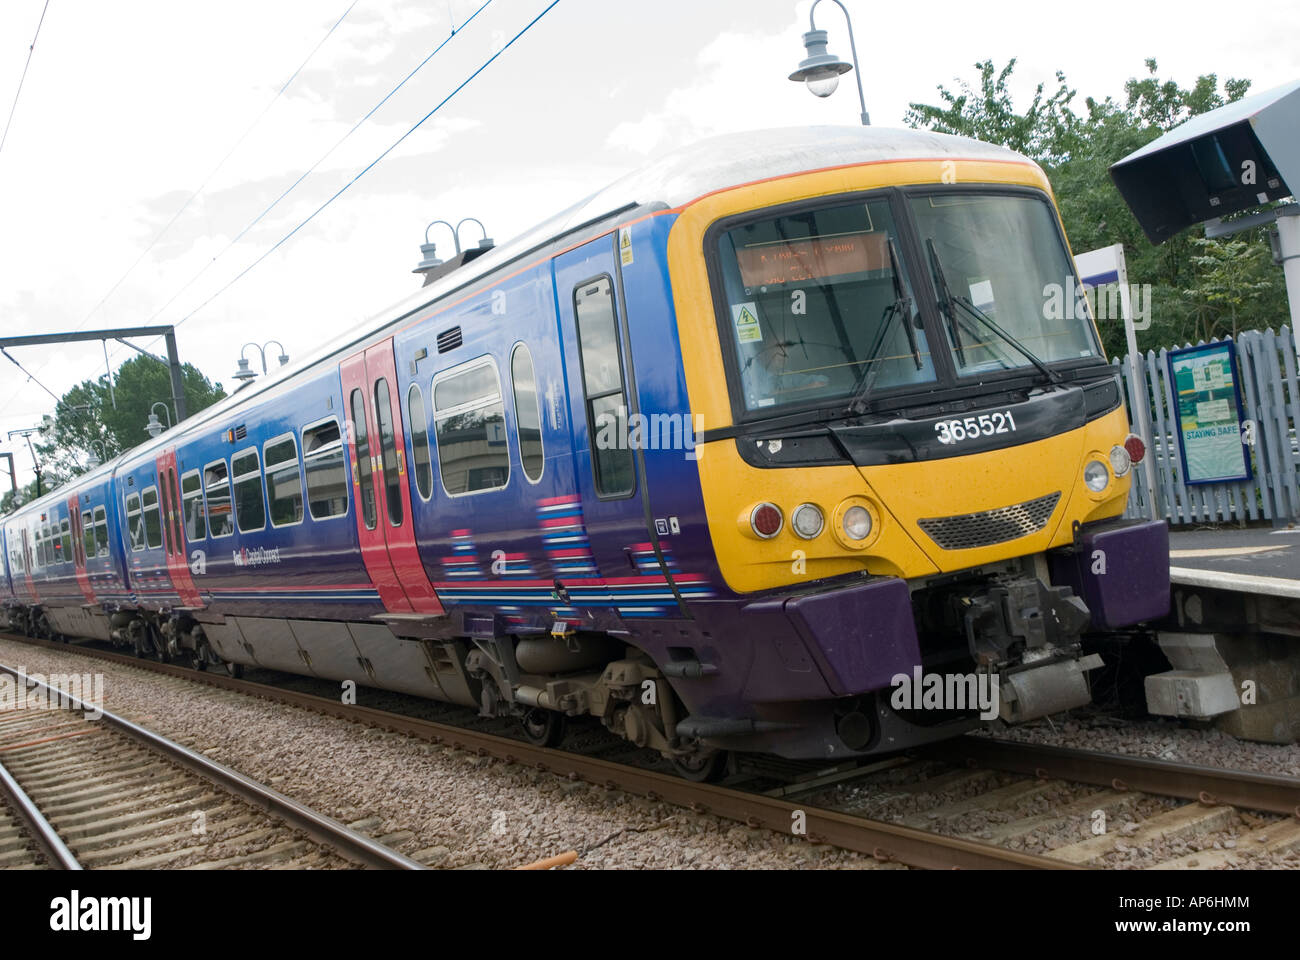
1121,570
858,636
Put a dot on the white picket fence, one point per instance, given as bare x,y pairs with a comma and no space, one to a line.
1270,395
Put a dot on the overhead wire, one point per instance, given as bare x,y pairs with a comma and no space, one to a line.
370,166
30,376
23,79
206,180
221,163
310,170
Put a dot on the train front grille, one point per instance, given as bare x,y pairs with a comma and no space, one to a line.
988,527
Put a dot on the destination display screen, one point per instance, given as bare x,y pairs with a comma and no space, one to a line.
811,258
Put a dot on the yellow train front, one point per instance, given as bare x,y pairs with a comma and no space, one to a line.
914,454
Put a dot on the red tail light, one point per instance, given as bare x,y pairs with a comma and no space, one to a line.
1135,447
766,520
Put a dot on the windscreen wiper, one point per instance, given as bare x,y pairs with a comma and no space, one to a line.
984,318
974,311
945,300
902,306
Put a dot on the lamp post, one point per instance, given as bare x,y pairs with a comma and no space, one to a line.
430,262
820,70
244,374
95,459
153,427
26,434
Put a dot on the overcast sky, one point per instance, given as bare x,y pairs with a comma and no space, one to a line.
129,107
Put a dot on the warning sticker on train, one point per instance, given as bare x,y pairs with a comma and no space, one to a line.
625,245
747,328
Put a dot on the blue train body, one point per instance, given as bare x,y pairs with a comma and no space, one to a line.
430,506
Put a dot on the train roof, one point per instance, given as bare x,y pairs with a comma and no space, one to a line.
673,180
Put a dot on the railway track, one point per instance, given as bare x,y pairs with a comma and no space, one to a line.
919,840
885,841
95,790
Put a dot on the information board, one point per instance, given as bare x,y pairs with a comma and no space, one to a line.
1208,409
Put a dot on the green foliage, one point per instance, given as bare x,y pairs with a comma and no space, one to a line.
86,418
988,114
1200,288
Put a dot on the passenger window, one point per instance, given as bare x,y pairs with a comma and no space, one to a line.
250,507
528,417
152,525
322,458
87,535
363,458
216,485
421,467
284,481
388,447
469,421
134,522
101,531
65,529
602,380
196,526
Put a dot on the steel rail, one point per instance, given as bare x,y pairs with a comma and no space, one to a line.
882,840
1272,793
41,830
323,829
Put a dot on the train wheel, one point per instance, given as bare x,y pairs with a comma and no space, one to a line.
197,659
543,728
702,767
235,670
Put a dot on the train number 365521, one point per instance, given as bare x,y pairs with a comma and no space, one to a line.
986,424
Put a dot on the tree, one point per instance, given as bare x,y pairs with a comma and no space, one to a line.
1076,150
87,420
987,113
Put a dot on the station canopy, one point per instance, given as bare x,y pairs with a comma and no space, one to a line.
1239,156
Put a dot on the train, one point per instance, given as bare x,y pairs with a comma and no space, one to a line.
724,457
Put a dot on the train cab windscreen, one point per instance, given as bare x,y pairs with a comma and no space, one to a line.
818,301
998,263
826,303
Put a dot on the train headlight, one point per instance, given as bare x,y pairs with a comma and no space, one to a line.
766,520
807,520
1095,476
1135,447
1119,460
857,523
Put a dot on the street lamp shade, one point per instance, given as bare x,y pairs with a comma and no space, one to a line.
430,259
820,70
244,373
154,427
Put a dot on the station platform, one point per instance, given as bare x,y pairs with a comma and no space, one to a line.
1254,560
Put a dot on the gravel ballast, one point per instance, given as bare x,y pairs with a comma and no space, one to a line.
444,807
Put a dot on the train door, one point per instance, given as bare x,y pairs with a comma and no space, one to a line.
178,567
609,466
79,549
377,450
27,567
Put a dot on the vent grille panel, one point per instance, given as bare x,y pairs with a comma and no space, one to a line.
983,529
449,340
